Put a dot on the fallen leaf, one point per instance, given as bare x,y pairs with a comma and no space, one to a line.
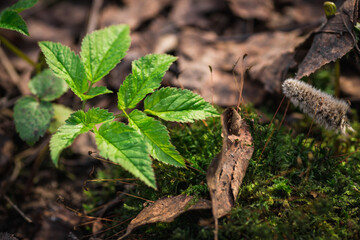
271,55
227,170
195,12
332,41
166,210
297,14
134,13
260,9
350,85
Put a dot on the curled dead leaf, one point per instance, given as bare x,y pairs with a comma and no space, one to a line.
166,210
332,41
226,172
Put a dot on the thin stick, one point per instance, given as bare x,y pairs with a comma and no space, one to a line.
128,194
212,85
282,100
17,209
9,67
283,118
94,15
272,132
17,51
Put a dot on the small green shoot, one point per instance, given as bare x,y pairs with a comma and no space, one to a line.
11,19
33,115
127,145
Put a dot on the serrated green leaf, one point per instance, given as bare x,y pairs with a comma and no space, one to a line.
22,5
156,137
97,115
64,137
11,20
47,86
66,65
102,50
61,113
123,145
173,104
32,118
147,73
78,123
96,91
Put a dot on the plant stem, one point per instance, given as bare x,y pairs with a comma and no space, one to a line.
84,102
127,116
17,51
337,78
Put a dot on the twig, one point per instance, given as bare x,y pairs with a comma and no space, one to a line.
94,15
17,51
18,209
9,67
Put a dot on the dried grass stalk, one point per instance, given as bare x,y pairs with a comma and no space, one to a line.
322,107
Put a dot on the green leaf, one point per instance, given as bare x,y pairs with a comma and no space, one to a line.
10,18
173,104
78,123
47,86
96,91
147,73
22,5
102,50
32,118
61,113
123,145
66,65
97,115
13,21
156,137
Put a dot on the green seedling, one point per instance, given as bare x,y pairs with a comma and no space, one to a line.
11,19
33,115
128,145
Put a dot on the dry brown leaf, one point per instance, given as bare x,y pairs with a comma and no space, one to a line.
260,9
134,13
166,210
350,85
297,14
193,12
270,54
227,170
332,41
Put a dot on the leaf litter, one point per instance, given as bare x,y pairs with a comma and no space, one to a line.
166,210
332,40
224,178
227,170
223,84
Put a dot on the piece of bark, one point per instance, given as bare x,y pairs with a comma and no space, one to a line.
227,170
166,210
332,41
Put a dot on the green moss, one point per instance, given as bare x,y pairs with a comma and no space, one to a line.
297,187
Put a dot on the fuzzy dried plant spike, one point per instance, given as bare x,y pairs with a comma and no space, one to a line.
322,107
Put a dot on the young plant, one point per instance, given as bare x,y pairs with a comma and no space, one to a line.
34,115
11,19
128,145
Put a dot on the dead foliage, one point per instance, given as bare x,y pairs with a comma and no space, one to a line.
227,170
166,210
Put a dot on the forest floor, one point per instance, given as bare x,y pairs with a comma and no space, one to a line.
301,181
